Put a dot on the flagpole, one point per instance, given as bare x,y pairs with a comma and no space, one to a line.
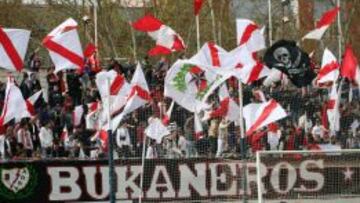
212,20
197,31
242,138
111,150
96,29
133,39
270,22
339,31
142,169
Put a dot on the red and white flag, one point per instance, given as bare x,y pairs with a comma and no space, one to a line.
260,115
239,62
333,112
212,55
167,40
30,102
248,68
329,71
250,35
92,120
197,6
14,104
323,24
167,116
350,67
138,96
13,46
77,115
114,86
227,108
64,46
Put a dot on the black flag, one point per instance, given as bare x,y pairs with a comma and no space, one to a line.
285,56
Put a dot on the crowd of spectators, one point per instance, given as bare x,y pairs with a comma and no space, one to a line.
41,135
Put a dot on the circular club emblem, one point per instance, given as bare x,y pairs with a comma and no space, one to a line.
17,183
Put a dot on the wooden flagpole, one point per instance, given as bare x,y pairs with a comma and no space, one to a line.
197,31
270,22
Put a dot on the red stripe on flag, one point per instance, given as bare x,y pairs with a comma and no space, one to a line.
328,17
178,44
263,116
222,110
247,33
10,50
327,69
64,52
93,106
255,72
30,107
214,53
147,23
349,64
158,49
117,84
139,91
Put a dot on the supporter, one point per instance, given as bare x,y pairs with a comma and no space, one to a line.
123,141
222,137
213,134
46,140
151,152
24,139
273,136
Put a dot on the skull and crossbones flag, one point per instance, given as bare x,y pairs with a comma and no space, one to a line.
287,57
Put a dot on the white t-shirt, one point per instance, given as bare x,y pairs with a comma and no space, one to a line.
273,139
46,137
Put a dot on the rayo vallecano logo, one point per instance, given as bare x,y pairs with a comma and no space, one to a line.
17,183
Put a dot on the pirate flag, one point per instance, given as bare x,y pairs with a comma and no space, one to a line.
285,56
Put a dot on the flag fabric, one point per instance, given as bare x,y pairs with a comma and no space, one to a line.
329,71
323,24
77,115
64,46
156,130
30,102
189,86
287,57
350,67
250,35
248,69
89,50
197,6
138,96
258,115
167,115
14,104
92,120
167,40
239,62
13,46
227,108
274,76
112,86
333,112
